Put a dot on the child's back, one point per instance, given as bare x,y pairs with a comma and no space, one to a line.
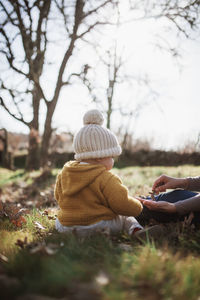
87,193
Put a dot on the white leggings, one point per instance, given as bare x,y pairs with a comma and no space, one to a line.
120,223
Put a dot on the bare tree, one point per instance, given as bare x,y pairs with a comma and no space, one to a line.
7,158
183,15
112,63
29,29
25,38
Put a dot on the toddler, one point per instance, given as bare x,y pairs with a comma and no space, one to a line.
90,197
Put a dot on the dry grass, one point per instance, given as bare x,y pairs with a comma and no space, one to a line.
60,266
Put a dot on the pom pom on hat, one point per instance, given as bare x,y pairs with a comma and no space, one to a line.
93,116
93,140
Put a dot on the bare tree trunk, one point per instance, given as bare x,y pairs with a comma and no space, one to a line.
29,23
47,135
7,157
52,104
109,110
33,158
45,145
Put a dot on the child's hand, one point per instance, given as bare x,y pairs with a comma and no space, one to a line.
140,199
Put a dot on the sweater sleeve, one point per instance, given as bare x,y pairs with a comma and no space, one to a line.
185,206
118,199
58,189
193,183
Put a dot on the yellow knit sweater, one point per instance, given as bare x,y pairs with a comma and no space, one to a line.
88,193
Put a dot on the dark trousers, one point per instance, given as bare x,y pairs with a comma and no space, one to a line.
163,217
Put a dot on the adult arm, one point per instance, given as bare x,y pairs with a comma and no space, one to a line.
181,207
193,183
162,206
185,206
165,182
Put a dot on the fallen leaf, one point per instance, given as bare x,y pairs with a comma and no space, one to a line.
51,217
3,258
102,279
19,222
42,248
20,212
13,212
39,226
21,243
45,213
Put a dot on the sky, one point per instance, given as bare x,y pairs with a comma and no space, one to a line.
176,121
172,120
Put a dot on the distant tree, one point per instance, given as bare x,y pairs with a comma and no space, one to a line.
28,29
184,16
30,35
112,64
7,157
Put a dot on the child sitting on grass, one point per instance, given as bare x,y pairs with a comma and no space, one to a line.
90,197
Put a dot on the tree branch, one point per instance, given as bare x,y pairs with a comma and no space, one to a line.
8,15
28,10
63,13
44,10
26,38
9,55
2,103
91,27
95,10
177,25
68,53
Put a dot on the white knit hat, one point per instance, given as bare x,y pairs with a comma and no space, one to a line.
93,140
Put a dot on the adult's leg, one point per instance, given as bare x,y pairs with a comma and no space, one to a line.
175,196
163,217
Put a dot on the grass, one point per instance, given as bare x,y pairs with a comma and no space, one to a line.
140,179
8,176
152,273
57,265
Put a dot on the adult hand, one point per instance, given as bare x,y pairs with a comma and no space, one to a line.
165,182
159,206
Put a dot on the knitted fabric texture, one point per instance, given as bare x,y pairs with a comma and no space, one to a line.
87,194
93,140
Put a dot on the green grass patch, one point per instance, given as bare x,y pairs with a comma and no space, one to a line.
64,266
139,180
8,176
152,273
9,233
